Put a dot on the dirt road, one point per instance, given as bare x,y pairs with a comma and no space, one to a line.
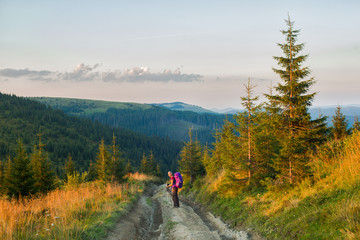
153,217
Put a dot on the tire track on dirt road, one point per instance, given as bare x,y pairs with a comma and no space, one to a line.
153,217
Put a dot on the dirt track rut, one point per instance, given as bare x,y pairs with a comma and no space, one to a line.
153,217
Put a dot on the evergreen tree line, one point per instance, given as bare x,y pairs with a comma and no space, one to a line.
150,166
269,143
25,174
64,135
30,174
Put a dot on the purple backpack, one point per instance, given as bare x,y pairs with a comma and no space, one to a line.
178,179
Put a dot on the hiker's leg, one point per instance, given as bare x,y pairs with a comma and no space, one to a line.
175,197
174,194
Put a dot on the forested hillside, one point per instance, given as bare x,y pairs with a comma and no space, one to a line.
64,135
143,118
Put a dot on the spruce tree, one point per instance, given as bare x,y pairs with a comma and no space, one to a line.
43,175
208,163
228,157
247,127
151,164
93,173
6,176
158,172
116,165
267,140
19,180
2,181
190,164
300,133
128,168
69,167
144,164
356,125
102,163
340,125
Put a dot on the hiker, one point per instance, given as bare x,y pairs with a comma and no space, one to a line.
174,190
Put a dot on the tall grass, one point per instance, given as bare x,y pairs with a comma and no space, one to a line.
81,212
324,206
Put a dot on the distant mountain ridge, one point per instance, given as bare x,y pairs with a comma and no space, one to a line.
164,120
180,106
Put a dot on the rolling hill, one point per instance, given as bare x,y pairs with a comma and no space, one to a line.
152,120
63,134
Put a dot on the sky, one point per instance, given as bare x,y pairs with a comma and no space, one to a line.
198,52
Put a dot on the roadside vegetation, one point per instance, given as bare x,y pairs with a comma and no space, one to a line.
74,211
322,206
276,170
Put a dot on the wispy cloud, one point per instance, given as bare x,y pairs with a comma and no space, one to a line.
87,73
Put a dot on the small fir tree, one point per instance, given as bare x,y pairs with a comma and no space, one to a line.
128,168
340,125
92,172
20,178
151,165
158,172
102,163
43,174
356,125
116,165
190,164
144,164
69,167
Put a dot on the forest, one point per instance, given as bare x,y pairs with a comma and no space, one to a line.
63,135
143,118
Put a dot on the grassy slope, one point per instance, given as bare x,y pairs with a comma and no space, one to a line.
85,211
88,107
324,207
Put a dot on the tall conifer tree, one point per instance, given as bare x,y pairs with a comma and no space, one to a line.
293,99
247,127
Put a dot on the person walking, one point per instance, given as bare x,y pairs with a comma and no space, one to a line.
174,190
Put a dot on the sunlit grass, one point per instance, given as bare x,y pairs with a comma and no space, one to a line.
326,205
81,212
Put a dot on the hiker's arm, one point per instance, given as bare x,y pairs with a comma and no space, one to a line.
170,185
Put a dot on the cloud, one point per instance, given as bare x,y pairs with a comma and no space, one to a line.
13,73
87,73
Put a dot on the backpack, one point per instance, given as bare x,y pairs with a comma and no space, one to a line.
178,179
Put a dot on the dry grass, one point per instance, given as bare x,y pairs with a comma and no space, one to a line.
63,214
350,213
141,177
339,166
